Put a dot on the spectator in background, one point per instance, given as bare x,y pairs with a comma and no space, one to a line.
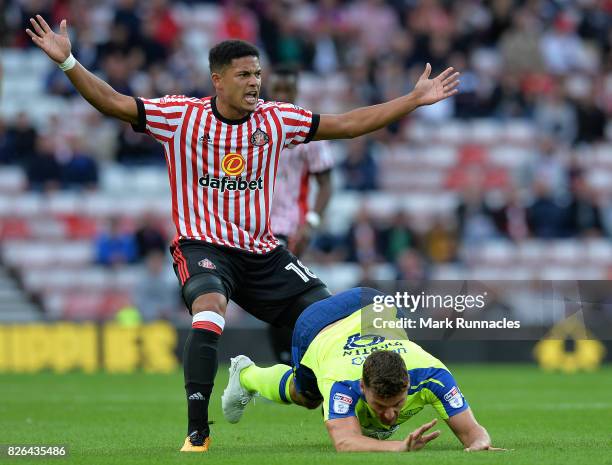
555,116
584,217
22,139
327,29
359,168
127,16
118,69
239,22
368,18
4,30
361,89
43,171
362,239
156,295
590,117
411,266
475,223
79,170
149,237
99,136
397,237
562,49
546,214
154,51
520,45
269,15
367,276
511,216
440,242
6,151
547,165
115,246
121,44
167,29
511,103
137,149
57,84
293,48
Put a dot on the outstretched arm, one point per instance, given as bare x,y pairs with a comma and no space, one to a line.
472,435
369,119
97,92
346,435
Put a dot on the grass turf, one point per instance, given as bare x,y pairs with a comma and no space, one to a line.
139,419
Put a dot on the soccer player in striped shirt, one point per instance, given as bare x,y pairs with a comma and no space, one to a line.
292,220
222,155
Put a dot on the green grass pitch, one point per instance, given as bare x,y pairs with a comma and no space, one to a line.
139,419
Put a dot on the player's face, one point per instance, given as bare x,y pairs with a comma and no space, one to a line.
387,409
283,89
239,84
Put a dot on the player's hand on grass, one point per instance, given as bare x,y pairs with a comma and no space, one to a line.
57,46
417,440
428,91
482,444
475,448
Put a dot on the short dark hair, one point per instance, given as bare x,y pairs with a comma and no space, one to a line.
385,373
224,52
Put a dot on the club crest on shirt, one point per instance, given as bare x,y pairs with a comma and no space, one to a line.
358,341
206,263
342,403
259,138
454,398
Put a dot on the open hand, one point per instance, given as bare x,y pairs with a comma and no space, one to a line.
56,46
428,91
416,441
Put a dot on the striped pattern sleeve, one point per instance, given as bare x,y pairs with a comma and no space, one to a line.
160,117
300,125
319,157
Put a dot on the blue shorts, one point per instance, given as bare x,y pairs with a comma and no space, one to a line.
310,323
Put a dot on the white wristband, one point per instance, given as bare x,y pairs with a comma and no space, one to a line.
313,219
68,64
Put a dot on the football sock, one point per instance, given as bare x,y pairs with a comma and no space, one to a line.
200,367
271,383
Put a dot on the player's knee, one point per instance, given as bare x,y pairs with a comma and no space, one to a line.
210,302
300,399
312,404
205,292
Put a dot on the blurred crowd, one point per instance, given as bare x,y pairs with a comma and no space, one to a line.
545,61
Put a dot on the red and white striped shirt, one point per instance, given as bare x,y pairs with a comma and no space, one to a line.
222,172
295,166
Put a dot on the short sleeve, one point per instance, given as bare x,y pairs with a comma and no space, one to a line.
319,158
339,401
300,125
160,117
445,395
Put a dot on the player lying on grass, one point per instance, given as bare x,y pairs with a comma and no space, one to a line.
369,383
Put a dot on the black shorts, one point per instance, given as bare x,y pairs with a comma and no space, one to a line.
265,285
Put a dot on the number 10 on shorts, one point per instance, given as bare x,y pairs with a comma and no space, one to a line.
301,270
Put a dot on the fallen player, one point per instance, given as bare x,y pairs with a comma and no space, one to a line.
369,384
